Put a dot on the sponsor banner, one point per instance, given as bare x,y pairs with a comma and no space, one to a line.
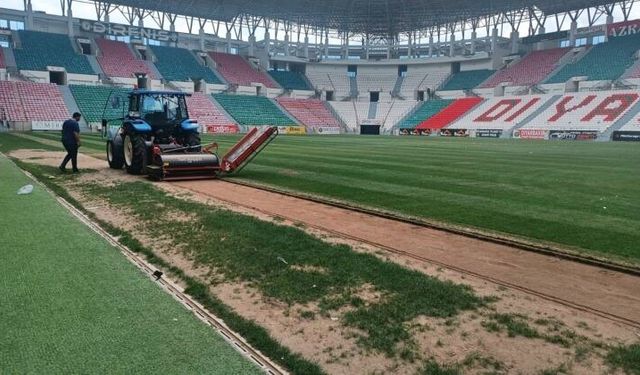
591,30
221,129
371,121
454,133
422,132
488,133
46,125
292,130
627,136
624,28
133,32
531,134
325,130
573,135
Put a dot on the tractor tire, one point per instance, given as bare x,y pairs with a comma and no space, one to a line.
135,158
193,139
115,156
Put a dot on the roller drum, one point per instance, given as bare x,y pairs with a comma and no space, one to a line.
189,161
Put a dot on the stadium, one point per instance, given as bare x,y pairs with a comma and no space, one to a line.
320,187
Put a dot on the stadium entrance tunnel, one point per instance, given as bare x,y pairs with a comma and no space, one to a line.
58,77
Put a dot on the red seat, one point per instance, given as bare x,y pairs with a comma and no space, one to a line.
450,114
29,101
236,70
531,69
310,112
117,60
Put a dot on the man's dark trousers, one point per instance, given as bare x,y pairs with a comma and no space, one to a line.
72,154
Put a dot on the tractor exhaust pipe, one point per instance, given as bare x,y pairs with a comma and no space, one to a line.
143,80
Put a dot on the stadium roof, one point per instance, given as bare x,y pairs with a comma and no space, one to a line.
376,17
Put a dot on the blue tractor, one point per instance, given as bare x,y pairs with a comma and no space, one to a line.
155,136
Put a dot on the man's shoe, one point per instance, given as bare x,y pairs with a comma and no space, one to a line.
62,169
76,171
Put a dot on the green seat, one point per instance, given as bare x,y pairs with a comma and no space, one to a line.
290,80
178,64
92,101
604,62
467,80
427,110
39,50
253,110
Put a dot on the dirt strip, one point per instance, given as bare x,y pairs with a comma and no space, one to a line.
609,292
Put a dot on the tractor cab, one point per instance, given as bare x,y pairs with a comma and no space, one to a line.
164,111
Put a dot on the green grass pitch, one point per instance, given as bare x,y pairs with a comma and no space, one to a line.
70,303
582,195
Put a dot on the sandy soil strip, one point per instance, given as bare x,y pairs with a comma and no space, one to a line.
610,292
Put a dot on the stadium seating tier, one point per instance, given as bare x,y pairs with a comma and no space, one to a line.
467,80
450,113
605,61
236,70
179,64
253,110
425,111
531,69
202,109
39,50
310,112
117,60
290,80
29,101
92,101
589,111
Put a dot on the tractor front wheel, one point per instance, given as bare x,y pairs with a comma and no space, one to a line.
114,156
134,154
193,140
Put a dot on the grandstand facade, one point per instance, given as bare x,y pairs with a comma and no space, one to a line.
579,83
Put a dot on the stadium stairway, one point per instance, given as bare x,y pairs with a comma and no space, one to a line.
9,58
95,65
343,125
353,87
533,115
283,110
70,101
624,120
221,109
373,110
450,114
395,93
633,71
210,66
148,61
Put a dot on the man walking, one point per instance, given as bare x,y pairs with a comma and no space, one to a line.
71,142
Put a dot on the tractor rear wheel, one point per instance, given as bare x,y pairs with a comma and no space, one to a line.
114,156
134,154
193,140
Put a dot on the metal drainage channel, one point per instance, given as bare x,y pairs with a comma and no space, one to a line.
234,339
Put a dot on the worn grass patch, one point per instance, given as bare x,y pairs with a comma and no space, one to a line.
253,251
626,358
